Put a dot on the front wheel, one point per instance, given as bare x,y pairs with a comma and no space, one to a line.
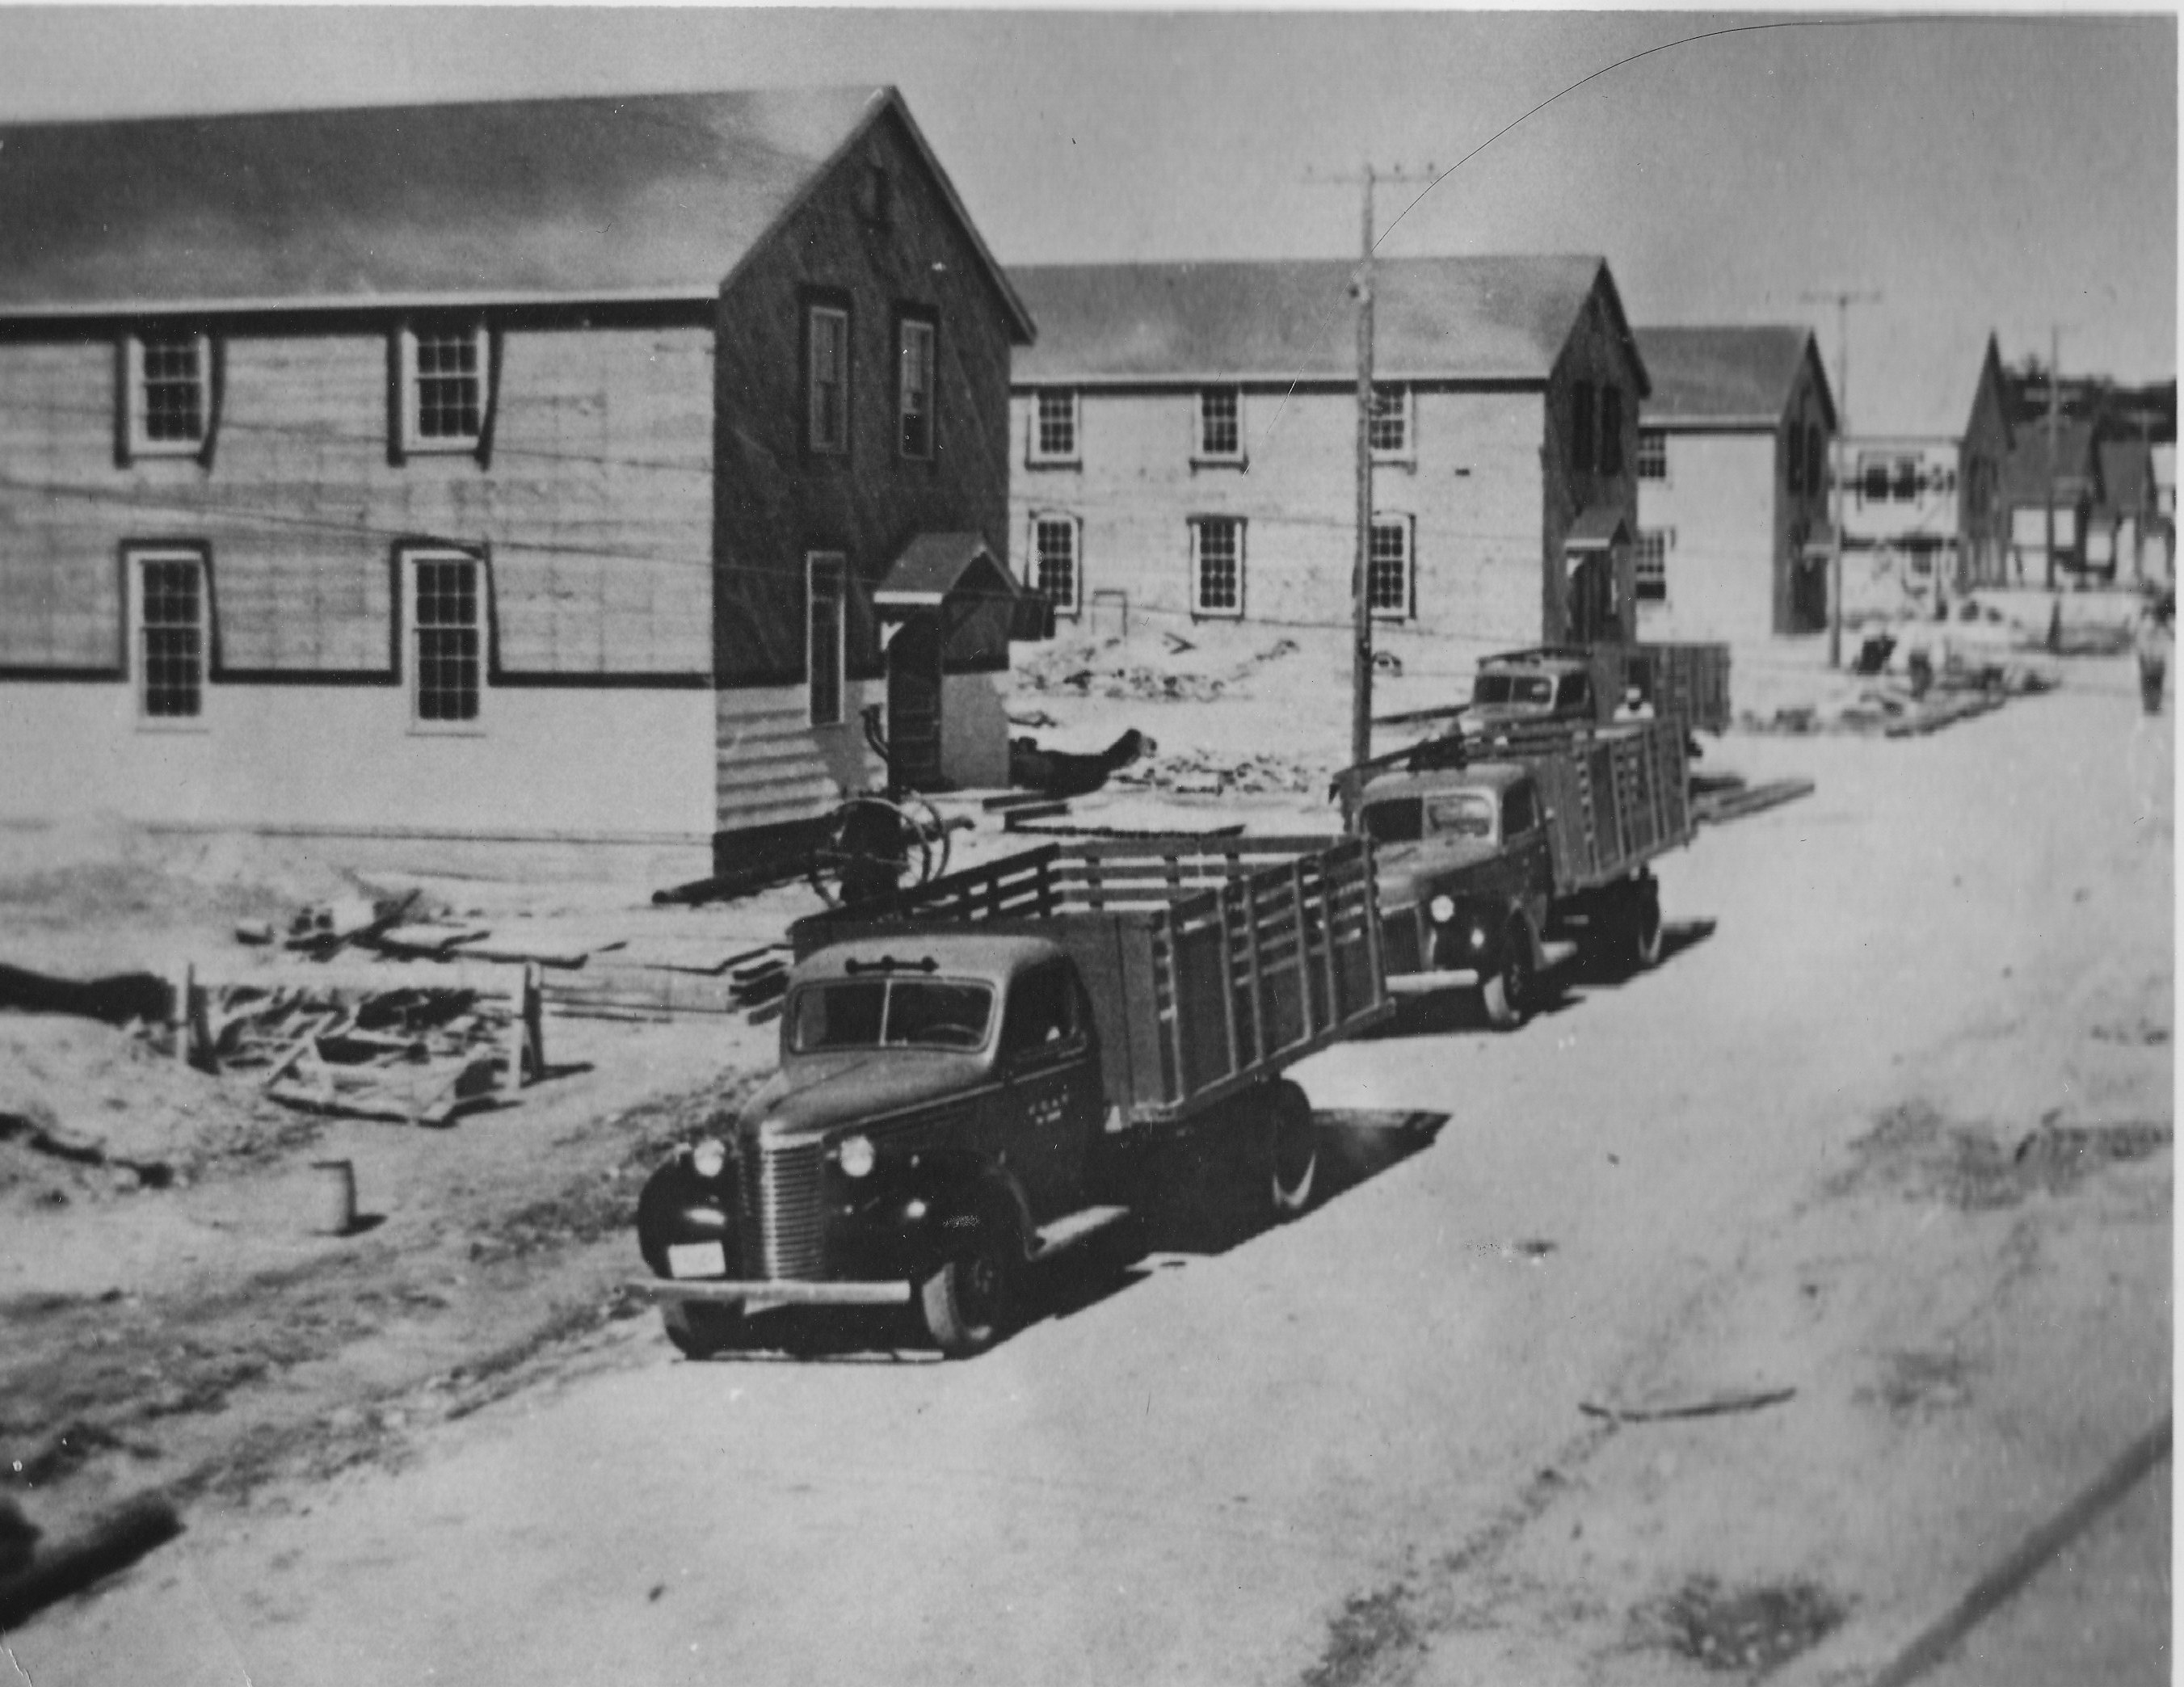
967,1303
1508,995
1293,1151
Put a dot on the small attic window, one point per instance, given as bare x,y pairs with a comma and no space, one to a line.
875,196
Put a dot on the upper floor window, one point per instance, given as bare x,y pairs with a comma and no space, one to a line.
826,378
1583,442
1793,458
168,608
1388,428
446,602
1054,427
1611,430
1873,479
168,393
1906,480
825,638
1216,565
914,392
443,387
1221,423
1388,572
1652,454
1055,562
1816,460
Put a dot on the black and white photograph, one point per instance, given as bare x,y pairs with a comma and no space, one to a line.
1102,848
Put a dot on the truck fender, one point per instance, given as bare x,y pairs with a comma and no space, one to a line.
678,1205
931,1208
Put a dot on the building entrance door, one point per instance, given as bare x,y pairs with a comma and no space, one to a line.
913,711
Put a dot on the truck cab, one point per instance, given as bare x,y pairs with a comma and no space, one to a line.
1550,683
1466,875
933,1087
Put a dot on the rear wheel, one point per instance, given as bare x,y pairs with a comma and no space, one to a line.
967,1303
1508,995
1644,925
1293,1150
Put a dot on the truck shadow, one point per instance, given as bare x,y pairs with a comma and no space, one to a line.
1442,1011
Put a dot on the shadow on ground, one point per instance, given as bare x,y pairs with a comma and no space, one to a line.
1443,1012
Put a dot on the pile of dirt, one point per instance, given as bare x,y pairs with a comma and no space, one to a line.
1182,672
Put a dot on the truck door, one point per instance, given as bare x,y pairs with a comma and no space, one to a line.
1051,1087
1525,841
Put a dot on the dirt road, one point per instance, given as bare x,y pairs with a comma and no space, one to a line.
1888,1130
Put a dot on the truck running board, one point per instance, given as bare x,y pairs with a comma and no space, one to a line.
757,1296
1076,1226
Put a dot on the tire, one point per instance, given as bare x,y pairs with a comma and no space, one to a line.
1645,930
968,1302
1292,1151
1508,995
700,1332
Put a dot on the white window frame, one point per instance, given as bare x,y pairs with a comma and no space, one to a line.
1396,395
1658,438
1036,451
413,640
908,332
414,442
1382,522
139,666
837,446
1073,604
1201,452
1198,608
141,442
816,563
1666,538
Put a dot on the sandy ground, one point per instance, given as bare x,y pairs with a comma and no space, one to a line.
1889,1131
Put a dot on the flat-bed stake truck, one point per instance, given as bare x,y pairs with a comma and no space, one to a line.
973,1072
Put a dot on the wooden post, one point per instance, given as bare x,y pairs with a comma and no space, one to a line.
183,977
526,1029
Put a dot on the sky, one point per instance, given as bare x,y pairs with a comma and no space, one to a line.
2015,175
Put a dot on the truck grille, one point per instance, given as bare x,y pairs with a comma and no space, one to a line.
781,1213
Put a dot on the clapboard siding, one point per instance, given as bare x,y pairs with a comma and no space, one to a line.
773,765
595,507
774,500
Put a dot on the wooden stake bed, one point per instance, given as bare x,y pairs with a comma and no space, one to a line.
1212,963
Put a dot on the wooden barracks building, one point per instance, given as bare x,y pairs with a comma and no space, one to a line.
565,469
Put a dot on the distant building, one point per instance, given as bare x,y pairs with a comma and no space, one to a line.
1984,534
1901,519
1734,448
2051,484
1185,440
536,469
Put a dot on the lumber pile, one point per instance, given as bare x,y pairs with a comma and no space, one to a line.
741,983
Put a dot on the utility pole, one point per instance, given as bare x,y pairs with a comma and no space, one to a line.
1842,302
2054,396
1361,581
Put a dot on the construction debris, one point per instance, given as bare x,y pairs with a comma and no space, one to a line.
1203,773
1714,1406
1731,799
1062,773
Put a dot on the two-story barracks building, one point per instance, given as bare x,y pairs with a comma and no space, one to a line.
1185,443
542,470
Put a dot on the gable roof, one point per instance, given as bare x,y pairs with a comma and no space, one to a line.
1728,376
1464,318
657,196
2076,468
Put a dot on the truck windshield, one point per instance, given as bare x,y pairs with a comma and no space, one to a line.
891,1013
1395,821
1463,813
1512,688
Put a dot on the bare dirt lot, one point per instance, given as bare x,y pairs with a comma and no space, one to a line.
1735,1319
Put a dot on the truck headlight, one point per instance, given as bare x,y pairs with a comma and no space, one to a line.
1443,908
709,1158
855,1155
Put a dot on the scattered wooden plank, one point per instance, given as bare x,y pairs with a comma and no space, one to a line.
1715,1407
1036,810
1736,805
1011,799
1037,831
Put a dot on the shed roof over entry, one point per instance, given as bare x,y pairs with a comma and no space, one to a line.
1601,528
947,569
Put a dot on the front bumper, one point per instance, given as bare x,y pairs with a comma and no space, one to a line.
760,1296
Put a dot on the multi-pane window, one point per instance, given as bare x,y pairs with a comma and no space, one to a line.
914,357
826,378
1652,454
170,637
1650,565
447,388
824,572
1054,427
1388,427
1220,422
1582,441
1873,479
1054,561
1907,480
1388,567
1611,430
169,396
448,637
1216,565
